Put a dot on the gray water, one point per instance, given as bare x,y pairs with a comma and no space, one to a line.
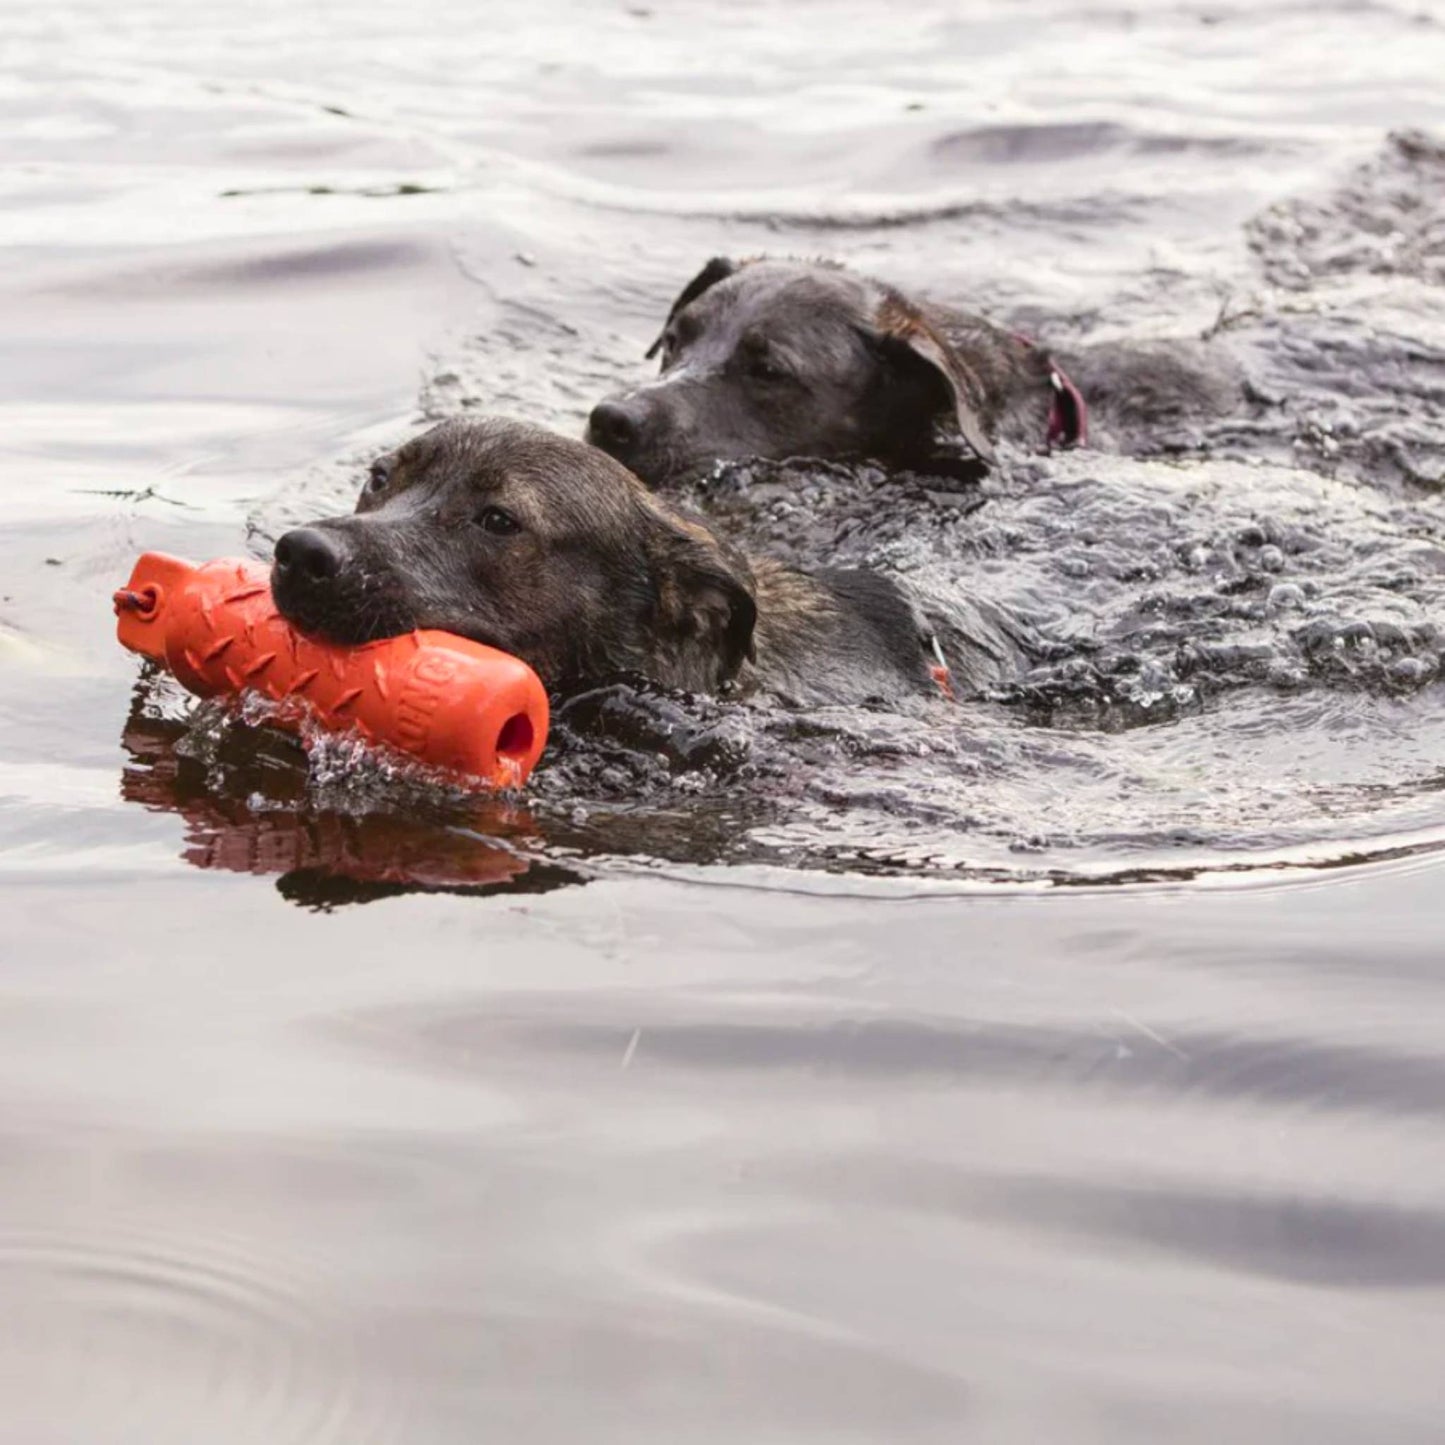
1062,1066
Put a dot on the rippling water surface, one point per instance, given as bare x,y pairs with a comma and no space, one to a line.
1061,1066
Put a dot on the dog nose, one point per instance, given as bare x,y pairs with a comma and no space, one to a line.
613,428
308,554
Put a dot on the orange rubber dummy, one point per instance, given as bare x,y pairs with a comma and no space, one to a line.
445,700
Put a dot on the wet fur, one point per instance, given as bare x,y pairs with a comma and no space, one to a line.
600,577
864,371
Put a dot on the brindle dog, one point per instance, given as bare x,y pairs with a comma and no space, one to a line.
779,359
551,550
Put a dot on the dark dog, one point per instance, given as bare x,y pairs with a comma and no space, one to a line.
781,359
549,549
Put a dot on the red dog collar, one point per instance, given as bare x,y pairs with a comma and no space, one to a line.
1069,413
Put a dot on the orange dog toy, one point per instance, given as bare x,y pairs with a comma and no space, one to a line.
450,702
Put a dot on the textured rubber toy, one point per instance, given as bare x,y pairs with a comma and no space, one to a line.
450,702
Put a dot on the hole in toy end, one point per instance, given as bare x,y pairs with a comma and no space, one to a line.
144,602
515,739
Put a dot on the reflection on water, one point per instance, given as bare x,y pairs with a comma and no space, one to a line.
803,1148
246,810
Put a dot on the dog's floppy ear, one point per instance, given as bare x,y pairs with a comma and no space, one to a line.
909,343
705,606
718,269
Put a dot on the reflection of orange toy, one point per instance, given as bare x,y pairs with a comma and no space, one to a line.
447,701
324,858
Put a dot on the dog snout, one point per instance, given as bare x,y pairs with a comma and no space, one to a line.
308,555
333,580
616,427
310,577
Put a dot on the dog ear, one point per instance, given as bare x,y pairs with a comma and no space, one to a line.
718,269
706,610
910,344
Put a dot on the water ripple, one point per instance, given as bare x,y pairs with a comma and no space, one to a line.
135,1337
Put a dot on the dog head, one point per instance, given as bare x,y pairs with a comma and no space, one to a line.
533,543
781,359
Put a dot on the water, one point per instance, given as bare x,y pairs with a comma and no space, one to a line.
1062,1066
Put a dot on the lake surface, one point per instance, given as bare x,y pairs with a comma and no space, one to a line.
1064,1074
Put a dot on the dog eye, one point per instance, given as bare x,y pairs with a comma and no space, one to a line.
765,366
498,522
378,476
